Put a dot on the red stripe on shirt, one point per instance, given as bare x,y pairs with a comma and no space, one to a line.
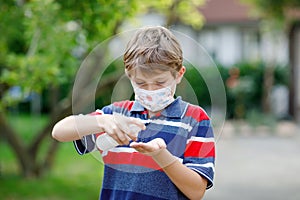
144,112
126,158
96,113
124,104
200,149
197,113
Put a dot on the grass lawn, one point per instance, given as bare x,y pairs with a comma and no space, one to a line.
72,177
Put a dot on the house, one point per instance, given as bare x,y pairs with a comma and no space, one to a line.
232,33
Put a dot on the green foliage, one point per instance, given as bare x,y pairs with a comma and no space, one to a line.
194,18
44,57
184,11
273,8
275,15
198,84
99,18
244,93
42,48
27,125
15,41
247,94
43,41
256,118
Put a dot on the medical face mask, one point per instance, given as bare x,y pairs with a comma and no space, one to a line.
154,100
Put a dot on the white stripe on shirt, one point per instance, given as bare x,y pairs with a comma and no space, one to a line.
206,165
201,139
170,123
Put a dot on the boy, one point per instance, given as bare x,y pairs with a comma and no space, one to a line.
172,156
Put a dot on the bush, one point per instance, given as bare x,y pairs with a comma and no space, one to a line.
243,84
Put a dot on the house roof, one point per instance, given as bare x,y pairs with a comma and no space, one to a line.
226,11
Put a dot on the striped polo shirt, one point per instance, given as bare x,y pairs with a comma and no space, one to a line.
128,174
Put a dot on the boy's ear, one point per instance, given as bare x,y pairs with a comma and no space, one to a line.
180,74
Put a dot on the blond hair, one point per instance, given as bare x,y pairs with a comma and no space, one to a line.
153,48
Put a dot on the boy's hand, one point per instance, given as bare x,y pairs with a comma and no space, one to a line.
157,149
151,148
129,125
120,130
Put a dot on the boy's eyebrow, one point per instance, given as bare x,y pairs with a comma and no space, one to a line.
140,80
162,78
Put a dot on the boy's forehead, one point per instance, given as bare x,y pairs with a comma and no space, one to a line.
157,74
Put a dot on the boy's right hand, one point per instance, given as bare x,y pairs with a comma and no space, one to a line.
120,127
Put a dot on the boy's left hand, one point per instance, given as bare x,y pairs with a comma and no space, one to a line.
150,148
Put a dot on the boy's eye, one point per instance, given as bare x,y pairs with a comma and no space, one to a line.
140,83
160,82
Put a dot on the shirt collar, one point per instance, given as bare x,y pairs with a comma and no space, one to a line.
137,107
175,110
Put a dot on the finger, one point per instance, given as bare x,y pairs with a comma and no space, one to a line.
132,137
121,124
112,132
138,122
129,125
160,143
136,144
138,147
122,136
126,126
146,147
115,137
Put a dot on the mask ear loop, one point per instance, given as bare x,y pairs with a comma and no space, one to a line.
180,74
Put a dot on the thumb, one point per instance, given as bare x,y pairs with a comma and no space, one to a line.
159,142
138,122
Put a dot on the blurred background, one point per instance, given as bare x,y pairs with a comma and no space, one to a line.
255,44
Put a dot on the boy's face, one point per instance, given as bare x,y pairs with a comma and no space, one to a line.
154,89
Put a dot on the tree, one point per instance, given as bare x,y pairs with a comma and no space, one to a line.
40,51
278,15
42,44
274,9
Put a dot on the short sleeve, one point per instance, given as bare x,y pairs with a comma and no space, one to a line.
87,143
199,154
